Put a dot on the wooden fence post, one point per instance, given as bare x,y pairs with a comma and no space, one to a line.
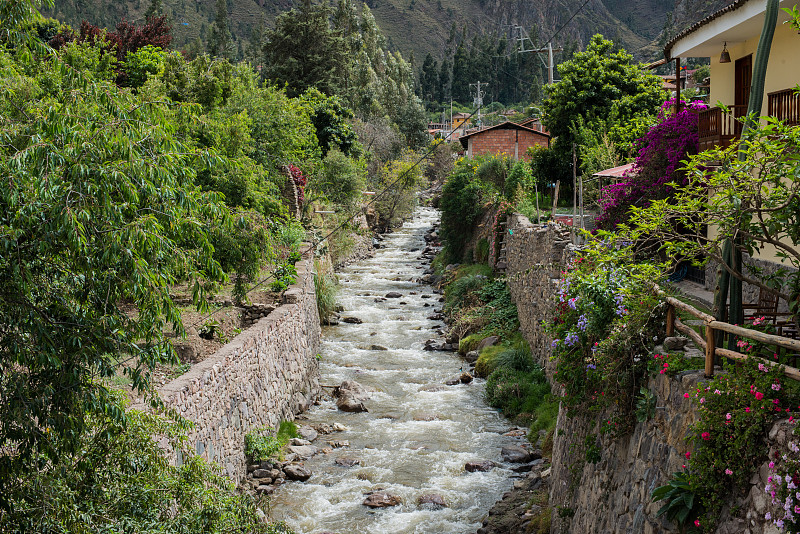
710,350
670,320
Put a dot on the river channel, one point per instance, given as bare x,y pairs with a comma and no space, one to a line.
417,436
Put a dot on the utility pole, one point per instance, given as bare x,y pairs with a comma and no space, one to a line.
478,100
523,36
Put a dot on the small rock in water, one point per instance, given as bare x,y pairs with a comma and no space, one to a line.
338,427
432,388
307,433
465,378
381,500
347,462
352,320
480,465
297,472
339,443
472,356
433,500
515,454
393,295
303,451
350,396
377,347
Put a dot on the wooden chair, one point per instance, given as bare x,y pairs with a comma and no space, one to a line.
767,307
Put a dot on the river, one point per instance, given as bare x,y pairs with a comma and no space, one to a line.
417,436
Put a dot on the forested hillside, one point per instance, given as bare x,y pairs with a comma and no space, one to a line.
421,26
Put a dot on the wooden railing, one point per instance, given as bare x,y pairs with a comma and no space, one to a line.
711,326
785,106
716,128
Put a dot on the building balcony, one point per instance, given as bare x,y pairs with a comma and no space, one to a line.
785,106
717,128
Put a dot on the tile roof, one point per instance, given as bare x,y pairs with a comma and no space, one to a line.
733,6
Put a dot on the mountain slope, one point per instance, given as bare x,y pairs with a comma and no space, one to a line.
418,26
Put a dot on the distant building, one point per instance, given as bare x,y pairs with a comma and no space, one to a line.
461,119
507,138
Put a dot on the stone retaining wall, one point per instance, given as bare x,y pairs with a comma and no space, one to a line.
534,255
612,496
267,374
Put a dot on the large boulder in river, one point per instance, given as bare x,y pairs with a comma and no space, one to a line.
515,455
380,499
350,397
488,342
479,465
432,500
297,472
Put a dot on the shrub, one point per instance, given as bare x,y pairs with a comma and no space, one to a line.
516,358
658,164
516,392
469,343
487,360
261,445
482,250
326,289
342,179
461,205
736,410
603,328
462,292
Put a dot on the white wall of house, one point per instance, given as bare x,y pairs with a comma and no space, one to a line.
783,69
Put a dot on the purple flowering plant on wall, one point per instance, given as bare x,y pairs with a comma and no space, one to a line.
661,152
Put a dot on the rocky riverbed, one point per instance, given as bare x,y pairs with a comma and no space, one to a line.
397,450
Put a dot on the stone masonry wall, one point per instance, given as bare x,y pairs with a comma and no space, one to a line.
534,256
267,374
612,496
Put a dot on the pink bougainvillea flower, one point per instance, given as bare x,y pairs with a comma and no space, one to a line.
706,436
759,395
728,416
697,522
728,472
747,409
688,455
685,395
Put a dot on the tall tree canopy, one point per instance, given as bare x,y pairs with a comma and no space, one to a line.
602,86
303,51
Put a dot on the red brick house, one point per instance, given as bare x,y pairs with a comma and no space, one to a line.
507,138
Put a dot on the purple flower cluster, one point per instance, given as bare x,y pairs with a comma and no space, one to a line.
583,322
661,151
571,339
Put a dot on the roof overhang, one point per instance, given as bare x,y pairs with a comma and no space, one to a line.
615,172
741,21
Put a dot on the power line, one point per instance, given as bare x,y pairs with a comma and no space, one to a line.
550,40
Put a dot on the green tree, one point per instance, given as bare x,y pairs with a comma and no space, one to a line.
602,86
219,41
98,211
303,51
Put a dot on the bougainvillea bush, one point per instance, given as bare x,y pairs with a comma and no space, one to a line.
658,164
603,330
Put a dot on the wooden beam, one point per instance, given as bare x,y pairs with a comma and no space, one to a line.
688,308
670,320
689,331
710,351
791,344
791,372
